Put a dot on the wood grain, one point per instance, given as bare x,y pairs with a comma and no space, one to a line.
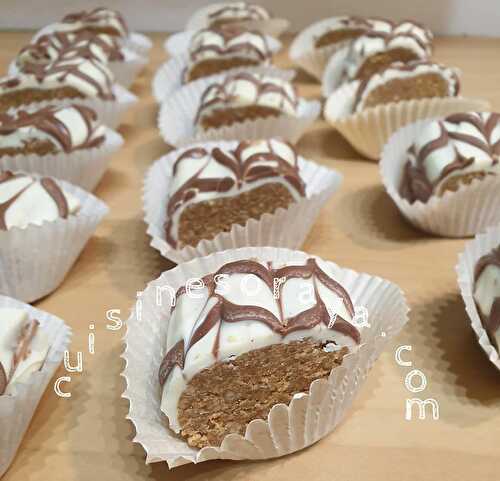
88,437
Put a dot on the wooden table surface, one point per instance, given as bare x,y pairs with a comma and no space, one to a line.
87,436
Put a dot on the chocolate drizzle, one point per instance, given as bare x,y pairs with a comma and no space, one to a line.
224,311
416,185
239,11
67,45
3,380
245,171
46,121
221,93
61,68
229,34
52,189
21,353
492,322
100,16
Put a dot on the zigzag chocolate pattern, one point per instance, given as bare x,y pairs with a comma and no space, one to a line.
48,122
227,312
227,92
263,164
100,17
417,186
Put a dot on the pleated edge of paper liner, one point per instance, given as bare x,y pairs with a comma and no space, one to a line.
475,248
198,455
113,142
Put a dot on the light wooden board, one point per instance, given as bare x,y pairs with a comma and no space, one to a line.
87,436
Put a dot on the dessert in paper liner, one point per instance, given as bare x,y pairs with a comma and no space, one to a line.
35,259
168,77
139,43
288,428
271,26
84,167
109,112
368,131
284,228
313,60
463,213
178,43
124,72
476,248
178,112
16,411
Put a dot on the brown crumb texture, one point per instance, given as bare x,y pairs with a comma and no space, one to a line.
337,36
454,182
32,146
226,21
380,61
419,87
204,220
215,66
18,98
224,398
225,117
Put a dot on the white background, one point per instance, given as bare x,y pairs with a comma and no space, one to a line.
472,17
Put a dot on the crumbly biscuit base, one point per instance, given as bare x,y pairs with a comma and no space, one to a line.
216,66
336,36
378,62
225,117
18,98
32,146
454,182
204,220
429,85
225,397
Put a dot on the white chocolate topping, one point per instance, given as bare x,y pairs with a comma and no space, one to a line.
87,76
23,348
100,18
237,12
457,146
103,48
68,128
245,89
25,200
228,42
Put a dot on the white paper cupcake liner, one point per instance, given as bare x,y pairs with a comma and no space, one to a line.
84,168
288,428
178,43
303,53
273,26
168,77
36,259
463,213
178,113
17,410
139,43
109,112
481,245
284,228
369,130
124,72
